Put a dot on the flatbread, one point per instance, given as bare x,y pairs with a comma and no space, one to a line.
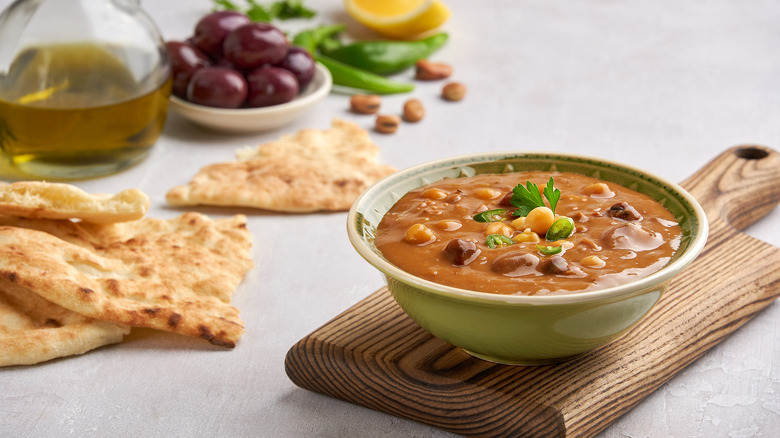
38,199
308,171
176,275
34,330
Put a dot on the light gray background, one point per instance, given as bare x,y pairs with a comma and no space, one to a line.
660,84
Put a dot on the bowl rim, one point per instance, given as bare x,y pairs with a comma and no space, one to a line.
659,277
301,100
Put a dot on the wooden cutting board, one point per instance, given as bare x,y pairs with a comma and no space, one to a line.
375,356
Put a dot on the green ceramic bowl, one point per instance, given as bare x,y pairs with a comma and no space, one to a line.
525,330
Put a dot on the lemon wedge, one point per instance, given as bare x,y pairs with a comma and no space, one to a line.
399,18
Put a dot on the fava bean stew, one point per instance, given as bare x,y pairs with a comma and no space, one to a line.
528,233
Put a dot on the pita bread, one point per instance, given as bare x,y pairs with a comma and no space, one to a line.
34,330
311,170
37,199
176,275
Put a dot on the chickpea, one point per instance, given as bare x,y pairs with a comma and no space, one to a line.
519,223
539,220
419,234
449,225
487,193
430,71
598,190
414,111
527,236
434,193
593,261
498,228
387,124
453,91
365,103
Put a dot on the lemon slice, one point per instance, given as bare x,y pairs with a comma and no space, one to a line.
399,18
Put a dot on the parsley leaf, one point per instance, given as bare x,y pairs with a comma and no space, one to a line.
278,10
552,194
527,198
285,10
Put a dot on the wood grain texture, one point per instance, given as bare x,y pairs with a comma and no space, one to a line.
375,356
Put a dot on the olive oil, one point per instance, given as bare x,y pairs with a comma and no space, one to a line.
76,110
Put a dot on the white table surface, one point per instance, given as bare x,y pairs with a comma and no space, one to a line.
660,84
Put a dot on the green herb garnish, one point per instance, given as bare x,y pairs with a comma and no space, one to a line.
552,194
495,240
278,10
549,250
489,215
560,229
527,198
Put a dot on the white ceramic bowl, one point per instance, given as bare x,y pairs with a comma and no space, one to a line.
245,120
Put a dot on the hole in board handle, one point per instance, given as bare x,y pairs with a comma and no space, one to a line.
751,153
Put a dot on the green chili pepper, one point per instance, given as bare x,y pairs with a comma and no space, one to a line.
494,240
348,76
344,74
549,250
560,229
489,215
387,57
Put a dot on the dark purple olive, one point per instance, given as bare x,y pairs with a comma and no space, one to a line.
218,87
270,86
185,59
211,30
254,45
299,62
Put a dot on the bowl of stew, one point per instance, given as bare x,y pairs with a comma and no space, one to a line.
527,258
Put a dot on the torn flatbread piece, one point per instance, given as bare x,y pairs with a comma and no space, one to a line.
176,275
311,170
34,330
38,199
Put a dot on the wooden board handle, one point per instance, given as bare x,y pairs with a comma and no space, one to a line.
739,186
